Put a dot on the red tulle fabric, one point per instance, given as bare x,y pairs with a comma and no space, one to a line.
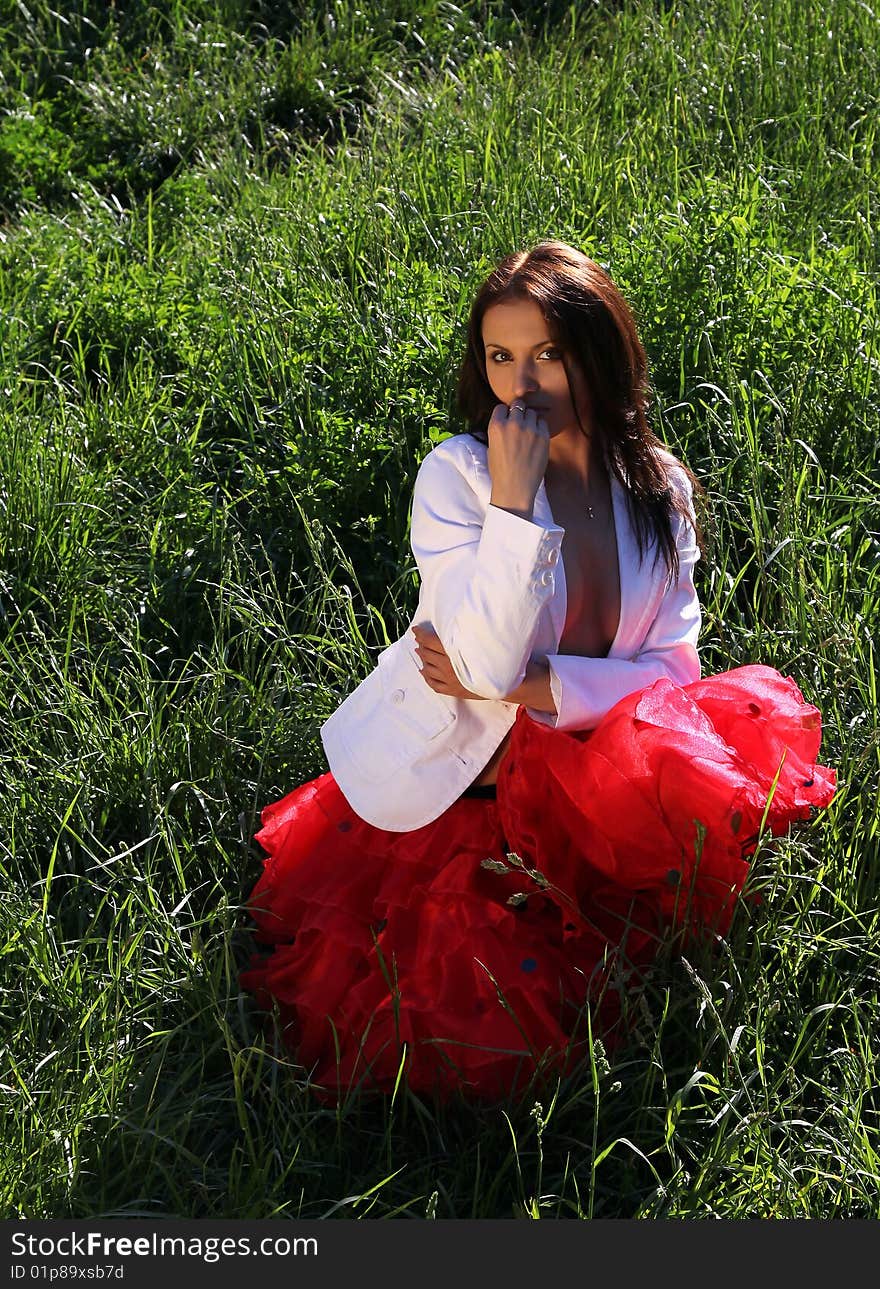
390,948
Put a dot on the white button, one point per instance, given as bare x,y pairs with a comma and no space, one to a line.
554,555
398,696
547,577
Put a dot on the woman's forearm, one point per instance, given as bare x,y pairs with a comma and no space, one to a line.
535,689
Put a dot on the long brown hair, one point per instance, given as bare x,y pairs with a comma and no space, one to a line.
595,328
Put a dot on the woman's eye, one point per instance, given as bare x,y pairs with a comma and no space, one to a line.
499,356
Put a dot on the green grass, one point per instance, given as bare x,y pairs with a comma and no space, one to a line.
239,245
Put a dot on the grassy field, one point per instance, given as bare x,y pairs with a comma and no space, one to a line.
237,248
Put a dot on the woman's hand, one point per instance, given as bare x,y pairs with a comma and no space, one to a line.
519,448
438,674
437,670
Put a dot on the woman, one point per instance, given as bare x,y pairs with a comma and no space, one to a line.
533,786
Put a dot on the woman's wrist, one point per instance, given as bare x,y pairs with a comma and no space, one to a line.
535,689
520,506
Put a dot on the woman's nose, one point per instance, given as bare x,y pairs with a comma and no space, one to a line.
524,380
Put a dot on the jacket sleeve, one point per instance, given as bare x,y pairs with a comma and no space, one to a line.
486,575
584,689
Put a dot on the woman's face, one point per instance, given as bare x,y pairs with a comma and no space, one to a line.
524,364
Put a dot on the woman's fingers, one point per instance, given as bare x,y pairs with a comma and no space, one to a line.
433,664
434,675
424,631
430,653
517,414
428,640
519,444
437,670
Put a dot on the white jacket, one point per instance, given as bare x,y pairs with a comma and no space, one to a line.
493,587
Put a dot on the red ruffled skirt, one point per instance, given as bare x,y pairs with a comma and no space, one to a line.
469,950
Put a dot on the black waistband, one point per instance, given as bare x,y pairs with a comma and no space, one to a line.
481,790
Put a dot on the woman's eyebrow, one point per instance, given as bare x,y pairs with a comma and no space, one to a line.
542,344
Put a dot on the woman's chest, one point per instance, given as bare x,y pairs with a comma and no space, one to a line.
592,575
